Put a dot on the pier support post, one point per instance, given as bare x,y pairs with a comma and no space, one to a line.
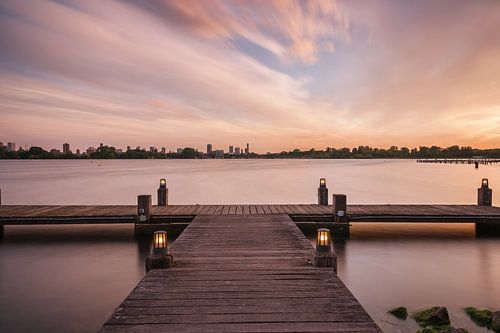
161,257
339,202
163,193
322,192
341,226
144,207
488,228
324,256
1,225
484,194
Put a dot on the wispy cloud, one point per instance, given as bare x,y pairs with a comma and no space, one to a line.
175,72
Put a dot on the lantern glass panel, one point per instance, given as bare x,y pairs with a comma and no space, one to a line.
163,182
323,240
160,240
322,181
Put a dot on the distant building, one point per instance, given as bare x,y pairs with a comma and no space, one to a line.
90,150
237,150
101,145
11,146
153,149
209,149
231,150
66,149
1,144
128,148
119,151
219,153
247,149
78,152
163,150
138,148
179,150
55,151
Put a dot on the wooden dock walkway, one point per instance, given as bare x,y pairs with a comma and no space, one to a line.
241,273
53,214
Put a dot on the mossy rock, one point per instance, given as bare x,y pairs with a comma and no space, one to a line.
442,329
399,312
480,317
435,316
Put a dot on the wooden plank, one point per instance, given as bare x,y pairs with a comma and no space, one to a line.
246,273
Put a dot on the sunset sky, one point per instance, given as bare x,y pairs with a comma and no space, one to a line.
277,74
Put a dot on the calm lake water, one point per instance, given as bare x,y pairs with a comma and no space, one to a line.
70,278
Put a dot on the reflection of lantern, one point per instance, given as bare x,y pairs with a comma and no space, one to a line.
160,242
323,241
322,182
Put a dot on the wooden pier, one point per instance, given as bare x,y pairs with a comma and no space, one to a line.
57,214
241,273
475,161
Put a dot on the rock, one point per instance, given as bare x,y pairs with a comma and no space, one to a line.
399,312
455,330
495,321
435,316
480,317
442,329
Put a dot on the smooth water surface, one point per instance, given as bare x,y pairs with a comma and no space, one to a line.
70,278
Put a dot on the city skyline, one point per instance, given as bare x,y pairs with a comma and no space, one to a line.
284,75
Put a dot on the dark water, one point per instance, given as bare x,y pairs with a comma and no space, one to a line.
70,278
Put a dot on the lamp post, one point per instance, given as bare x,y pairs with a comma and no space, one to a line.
322,192
324,255
484,194
163,193
160,257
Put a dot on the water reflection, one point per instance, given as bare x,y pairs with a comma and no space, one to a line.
420,265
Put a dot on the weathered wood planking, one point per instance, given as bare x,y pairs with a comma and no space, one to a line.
36,214
241,273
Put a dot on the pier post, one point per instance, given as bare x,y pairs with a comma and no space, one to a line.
160,257
324,256
341,225
484,194
1,225
322,192
163,193
144,207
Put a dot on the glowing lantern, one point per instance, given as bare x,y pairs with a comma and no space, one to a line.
160,242
323,241
322,182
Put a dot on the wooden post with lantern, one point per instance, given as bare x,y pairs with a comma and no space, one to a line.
484,194
160,257
163,193
322,192
324,256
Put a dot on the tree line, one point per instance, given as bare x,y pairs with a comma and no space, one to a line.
367,152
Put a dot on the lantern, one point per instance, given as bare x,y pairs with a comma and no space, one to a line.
163,182
160,242
323,241
322,182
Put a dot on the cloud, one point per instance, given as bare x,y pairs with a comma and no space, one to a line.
293,30
175,73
